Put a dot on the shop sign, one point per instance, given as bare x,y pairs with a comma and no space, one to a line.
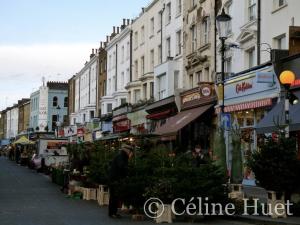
98,135
70,131
191,97
242,87
80,132
205,90
265,77
122,126
252,83
296,83
61,132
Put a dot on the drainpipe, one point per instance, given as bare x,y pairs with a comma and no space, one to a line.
215,36
258,30
130,67
116,72
161,33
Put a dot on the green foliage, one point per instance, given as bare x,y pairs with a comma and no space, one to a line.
237,167
162,174
276,166
99,163
220,150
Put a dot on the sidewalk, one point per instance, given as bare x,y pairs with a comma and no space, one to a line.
262,220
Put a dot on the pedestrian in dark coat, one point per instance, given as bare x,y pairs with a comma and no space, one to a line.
117,171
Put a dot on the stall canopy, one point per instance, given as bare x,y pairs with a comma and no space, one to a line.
276,117
180,120
23,141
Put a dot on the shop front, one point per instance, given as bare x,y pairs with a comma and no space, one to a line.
192,126
138,121
248,97
159,111
274,121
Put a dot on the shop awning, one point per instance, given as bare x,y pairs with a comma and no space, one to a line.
23,141
180,120
160,115
276,117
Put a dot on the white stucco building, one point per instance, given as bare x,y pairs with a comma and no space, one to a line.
118,69
85,92
277,16
146,52
168,72
242,36
12,118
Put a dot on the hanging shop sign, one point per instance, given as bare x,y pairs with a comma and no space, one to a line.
70,131
205,90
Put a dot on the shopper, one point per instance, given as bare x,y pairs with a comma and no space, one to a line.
117,171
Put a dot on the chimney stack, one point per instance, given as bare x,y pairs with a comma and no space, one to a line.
96,50
107,39
143,9
118,30
114,29
128,21
101,44
93,54
124,22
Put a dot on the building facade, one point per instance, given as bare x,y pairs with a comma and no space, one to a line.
283,13
12,117
102,75
199,42
85,92
24,115
118,69
48,106
146,52
2,124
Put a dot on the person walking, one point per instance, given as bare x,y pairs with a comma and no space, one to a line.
117,171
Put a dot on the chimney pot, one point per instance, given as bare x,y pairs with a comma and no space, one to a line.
107,39
118,30
114,29
92,51
128,21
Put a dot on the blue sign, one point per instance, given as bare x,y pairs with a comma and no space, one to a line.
265,77
226,121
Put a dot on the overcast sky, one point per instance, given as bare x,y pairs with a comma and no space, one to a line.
52,38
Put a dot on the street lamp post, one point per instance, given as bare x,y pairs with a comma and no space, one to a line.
223,22
286,79
57,120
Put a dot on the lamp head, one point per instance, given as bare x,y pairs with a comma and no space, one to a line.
287,77
223,22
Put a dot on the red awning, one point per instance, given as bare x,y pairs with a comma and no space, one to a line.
177,122
119,118
160,115
247,105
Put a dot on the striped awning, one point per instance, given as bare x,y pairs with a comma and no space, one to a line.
247,105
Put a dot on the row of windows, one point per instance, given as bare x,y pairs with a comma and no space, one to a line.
55,102
139,37
112,58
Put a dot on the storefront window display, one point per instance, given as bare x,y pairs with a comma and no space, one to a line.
245,121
